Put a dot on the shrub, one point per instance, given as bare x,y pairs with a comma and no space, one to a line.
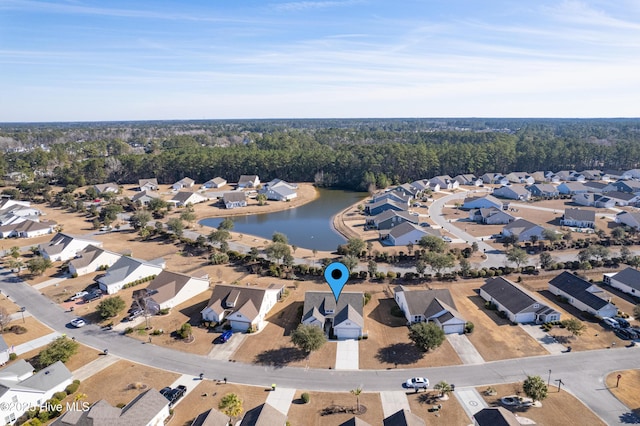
185,330
17,329
13,356
305,398
367,297
163,311
60,395
468,327
72,388
157,332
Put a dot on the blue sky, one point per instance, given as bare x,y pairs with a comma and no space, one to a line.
85,60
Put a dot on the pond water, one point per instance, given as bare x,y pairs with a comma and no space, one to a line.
308,226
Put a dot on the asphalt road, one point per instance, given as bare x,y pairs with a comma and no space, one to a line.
581,372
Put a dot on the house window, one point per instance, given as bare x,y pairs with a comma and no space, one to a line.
536,306
416,318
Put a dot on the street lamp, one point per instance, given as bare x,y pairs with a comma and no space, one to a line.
549,381
22,309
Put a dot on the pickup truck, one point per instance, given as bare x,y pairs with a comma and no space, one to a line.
76,296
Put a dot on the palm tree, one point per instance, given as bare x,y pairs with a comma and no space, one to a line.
231,405
356,392
444,388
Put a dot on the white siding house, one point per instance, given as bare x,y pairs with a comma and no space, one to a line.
582,295
128,270
627,280
519,306
65,247
91,259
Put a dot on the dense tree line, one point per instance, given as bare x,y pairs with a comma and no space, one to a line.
338,153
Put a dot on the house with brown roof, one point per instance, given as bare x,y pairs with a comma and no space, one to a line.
149,408
144,197
148,184
211,417
92,259
403,418
435,306
216,182
512,192
518,305
495,416
111,187
483,202
170,289
491,216
524,230
27,229
264,415
243,307
183,183
344,318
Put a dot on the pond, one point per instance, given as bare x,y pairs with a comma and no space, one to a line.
308,226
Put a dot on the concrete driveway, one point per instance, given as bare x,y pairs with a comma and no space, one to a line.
347,355
224,351
465,349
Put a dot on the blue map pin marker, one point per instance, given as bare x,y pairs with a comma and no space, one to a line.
336,275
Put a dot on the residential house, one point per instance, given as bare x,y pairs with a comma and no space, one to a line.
244,307
583,295
605,202
632,186
390,218
355,421
21,388
148,184
580,218
234,199
589,199
627,281
403,418
373,209
592,174
495,416
519,306
495,178
613,175
110,187
279,190
545,190
468,180
484,202
183,198
211,417
623,198
491,216
512,192
264,415
395,196
149,408
565,175
521,177
144,197
216,182
434,187
65,247
4,351
595,187
630,219
577,177
406,233
435,306
183,183
128,270
410,190
445,182
540,177
343,318
92,258
572,188
14,212
248,181
170,289
27,229
524,230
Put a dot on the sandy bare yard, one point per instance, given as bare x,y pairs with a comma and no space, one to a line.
451,412
494,337
207,394
560,408
310,414
628,389
34,328
122,381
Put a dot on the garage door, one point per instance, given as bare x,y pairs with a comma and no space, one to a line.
453,328
239,325
347,333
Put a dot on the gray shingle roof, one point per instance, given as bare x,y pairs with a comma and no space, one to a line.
629,276
430,302
211,417
581,215
247,300
354,421
235,196
123,268
263,415
508,294
48,378
577,288
324,303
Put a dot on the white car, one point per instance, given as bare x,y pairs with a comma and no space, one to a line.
447,239
417,383
78,322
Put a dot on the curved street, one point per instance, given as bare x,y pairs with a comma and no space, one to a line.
581,372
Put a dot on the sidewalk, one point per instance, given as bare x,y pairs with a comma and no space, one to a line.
281,398
49,283
95,366
35,343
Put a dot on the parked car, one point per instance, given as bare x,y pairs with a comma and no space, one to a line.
78,322
417,383
134,314
610,322
622,322
173,395
92,295
224,337
76,296
446,239
625,334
